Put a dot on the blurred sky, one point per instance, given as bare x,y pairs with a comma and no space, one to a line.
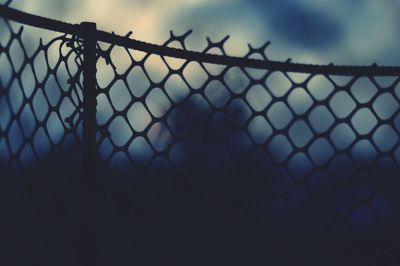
308,31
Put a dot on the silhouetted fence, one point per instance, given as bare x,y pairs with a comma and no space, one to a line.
167,108
321,141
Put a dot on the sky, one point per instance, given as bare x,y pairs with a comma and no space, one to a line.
350,32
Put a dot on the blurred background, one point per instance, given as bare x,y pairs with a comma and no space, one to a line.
324,150
308,31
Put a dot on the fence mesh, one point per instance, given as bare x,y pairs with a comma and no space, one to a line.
311,136
41,98
322,143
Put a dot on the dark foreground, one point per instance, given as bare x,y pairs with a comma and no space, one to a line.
232,217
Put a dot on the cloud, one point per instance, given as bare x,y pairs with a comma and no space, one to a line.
300,24
314,31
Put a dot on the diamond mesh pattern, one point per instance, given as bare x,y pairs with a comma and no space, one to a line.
40,98
310,136
313,133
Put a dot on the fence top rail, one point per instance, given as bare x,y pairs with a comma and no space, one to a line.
75,29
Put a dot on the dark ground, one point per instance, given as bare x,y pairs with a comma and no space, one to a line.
220,219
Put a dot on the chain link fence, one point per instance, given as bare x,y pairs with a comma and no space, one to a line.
319,146
41,99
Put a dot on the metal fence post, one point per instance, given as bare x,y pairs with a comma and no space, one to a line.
88,178
89,102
